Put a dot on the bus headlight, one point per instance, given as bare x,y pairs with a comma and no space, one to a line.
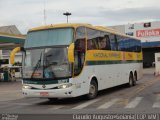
65,86
26,87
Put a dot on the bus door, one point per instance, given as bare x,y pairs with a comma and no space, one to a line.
80,48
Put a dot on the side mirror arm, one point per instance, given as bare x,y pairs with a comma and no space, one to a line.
71,53
13,53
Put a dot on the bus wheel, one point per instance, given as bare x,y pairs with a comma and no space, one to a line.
93,90
135,79
131,80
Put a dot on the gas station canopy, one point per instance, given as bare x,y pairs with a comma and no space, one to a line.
10,37
10,41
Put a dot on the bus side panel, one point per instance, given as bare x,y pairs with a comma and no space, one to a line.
107,76
103,73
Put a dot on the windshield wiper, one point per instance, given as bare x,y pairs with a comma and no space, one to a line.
37,65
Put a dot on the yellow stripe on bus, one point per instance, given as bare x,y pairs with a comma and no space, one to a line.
101,55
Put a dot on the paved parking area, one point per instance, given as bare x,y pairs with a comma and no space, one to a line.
13,90
149,70
10,91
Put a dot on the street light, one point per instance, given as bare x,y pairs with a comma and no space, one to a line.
67,14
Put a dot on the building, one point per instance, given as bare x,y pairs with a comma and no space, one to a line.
149,33
10,37
12,29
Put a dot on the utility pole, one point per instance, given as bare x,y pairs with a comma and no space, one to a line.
44,13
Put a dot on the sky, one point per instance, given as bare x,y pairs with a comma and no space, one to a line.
26,14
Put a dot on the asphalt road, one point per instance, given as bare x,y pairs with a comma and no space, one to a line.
142,98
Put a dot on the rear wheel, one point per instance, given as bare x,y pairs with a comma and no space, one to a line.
135,79
131,80
93,90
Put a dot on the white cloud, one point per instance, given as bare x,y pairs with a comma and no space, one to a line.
26,14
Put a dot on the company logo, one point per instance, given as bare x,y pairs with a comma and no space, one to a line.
147,33
43,86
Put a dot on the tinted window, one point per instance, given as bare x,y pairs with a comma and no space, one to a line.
97,40
128,44
92,39
104,43
113,42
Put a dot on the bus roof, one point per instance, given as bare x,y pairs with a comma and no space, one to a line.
63,25
75,25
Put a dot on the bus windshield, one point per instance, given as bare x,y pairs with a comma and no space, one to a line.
50,37
46,63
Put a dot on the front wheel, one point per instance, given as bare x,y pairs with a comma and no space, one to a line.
93,90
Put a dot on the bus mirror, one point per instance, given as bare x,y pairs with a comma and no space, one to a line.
71,53
13,53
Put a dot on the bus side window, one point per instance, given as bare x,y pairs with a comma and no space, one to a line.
108,43
104,43
91,44
113,42
92,39
80,45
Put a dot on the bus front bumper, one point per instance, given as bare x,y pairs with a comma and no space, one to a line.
49,93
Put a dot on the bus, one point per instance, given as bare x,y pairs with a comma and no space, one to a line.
70,60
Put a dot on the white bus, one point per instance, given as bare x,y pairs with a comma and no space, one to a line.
70,60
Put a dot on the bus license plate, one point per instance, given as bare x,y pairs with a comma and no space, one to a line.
44,94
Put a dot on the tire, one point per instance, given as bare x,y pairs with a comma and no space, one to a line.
131,80
135,79
93,90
